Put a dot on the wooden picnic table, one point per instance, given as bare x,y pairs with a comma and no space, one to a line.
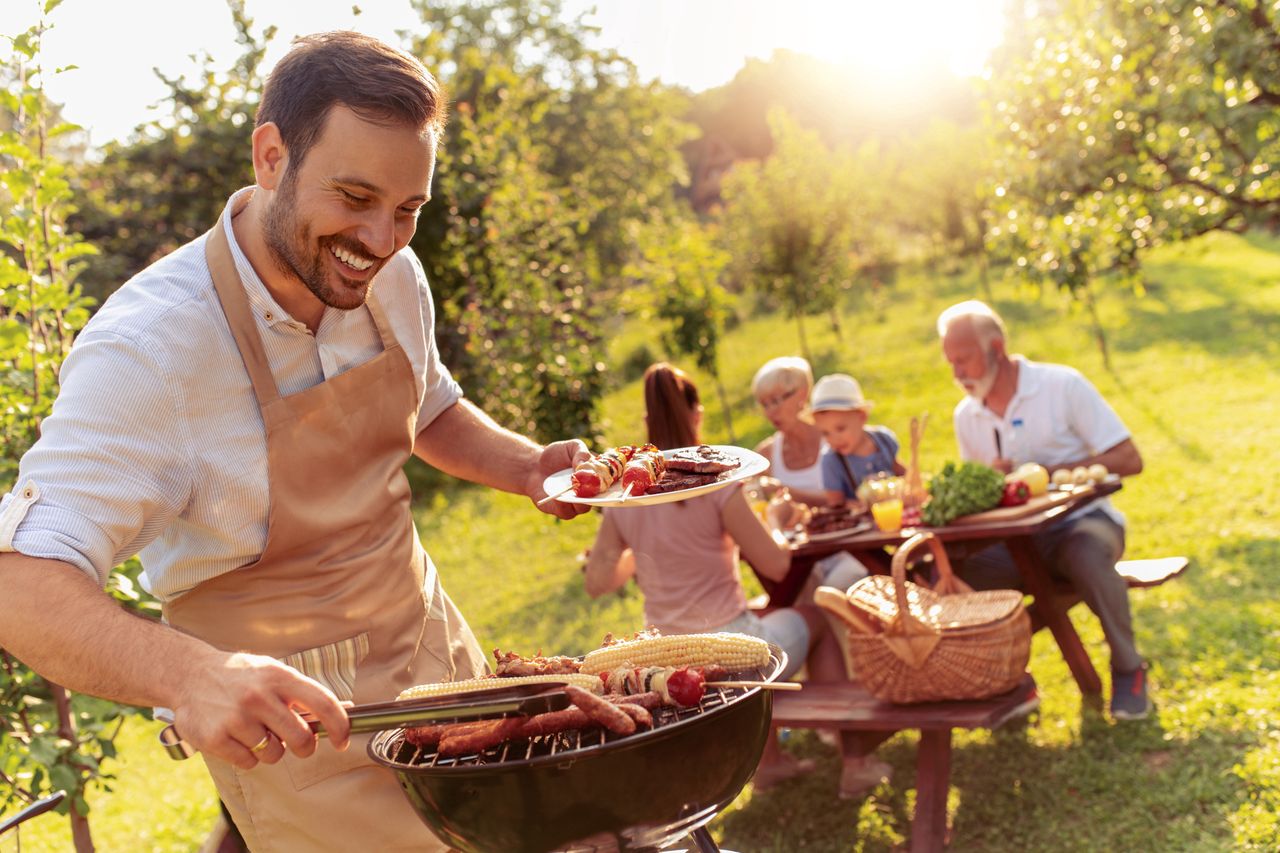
869,548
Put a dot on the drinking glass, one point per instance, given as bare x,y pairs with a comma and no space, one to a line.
887,513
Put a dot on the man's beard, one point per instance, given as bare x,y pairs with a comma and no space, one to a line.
979,388
287,239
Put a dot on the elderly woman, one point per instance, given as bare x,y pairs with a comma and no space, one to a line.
794,451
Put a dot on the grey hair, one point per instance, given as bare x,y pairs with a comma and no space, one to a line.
987,325
788,373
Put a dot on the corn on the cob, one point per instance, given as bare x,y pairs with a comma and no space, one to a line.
422,691
734,652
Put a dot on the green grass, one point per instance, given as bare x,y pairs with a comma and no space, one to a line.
1195,378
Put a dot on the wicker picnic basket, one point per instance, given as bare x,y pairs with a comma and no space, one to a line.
909,643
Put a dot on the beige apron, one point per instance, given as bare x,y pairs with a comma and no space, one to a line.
342,591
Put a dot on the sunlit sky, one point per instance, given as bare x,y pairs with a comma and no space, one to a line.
695,43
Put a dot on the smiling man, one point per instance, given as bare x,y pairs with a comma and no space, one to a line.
239,415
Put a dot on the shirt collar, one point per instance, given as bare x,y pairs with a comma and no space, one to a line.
1028,381
1028,377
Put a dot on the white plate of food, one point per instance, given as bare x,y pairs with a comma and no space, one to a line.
860,526
717,466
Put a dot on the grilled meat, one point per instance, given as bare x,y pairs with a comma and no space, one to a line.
511,664
702,459
673,481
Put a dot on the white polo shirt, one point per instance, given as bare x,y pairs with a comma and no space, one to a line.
1064,419
156,446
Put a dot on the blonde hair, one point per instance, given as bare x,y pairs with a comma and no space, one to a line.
787,373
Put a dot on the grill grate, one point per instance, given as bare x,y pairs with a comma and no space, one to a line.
575,743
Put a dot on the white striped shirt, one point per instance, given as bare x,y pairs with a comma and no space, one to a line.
155,445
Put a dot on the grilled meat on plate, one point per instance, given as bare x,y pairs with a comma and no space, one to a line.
702,459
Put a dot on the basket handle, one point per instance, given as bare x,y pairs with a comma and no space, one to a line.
949,583
910,639
946,580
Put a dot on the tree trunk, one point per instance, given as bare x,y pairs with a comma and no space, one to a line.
984,273
67,729
804,341
1099,334
834,314
724,407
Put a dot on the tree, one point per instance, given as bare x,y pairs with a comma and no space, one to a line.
48,738
553,160
1126,124
944,195
801,225
168,184
681,266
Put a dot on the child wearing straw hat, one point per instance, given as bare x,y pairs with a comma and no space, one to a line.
856,450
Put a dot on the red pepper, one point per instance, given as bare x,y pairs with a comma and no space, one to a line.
1016,493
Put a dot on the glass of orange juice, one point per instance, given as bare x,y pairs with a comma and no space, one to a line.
887,513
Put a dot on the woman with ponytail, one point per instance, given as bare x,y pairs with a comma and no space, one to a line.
684,558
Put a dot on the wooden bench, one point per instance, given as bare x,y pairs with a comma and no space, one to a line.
847,706
1138,574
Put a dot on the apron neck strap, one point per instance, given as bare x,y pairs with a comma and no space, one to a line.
380,320
235,305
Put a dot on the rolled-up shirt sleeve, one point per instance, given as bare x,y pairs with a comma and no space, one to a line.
440,389
111,467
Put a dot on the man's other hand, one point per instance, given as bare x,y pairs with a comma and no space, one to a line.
556,457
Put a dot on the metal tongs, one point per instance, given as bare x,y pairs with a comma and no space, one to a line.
490,703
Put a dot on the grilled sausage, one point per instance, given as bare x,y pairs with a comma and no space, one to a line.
638,713
429,736
651,700
601,710
481,737
555,722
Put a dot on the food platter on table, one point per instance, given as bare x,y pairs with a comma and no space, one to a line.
829,523
861,526
750,464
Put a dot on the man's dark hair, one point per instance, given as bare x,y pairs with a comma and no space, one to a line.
376,81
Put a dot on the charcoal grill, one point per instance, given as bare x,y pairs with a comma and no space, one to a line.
592,792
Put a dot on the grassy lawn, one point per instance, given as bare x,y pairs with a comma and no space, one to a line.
1195,378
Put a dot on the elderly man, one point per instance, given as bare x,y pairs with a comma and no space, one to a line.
239,414
1050,414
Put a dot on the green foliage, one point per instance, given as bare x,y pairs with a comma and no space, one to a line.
945,189
1200,775
41,305
554,158
685,274
48,739
1129,124
802,224
961,489
635,363
168,184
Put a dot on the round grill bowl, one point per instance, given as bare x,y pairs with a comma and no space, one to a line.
634,792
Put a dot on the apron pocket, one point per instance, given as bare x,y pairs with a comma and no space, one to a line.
335,666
